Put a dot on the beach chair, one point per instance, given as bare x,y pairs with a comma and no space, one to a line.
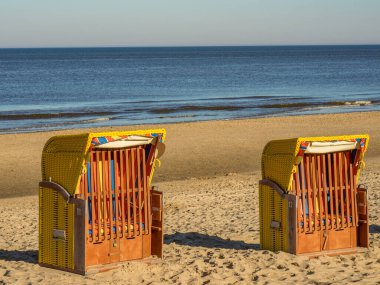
96,204
310,200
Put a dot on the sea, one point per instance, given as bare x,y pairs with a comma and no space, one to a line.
62,88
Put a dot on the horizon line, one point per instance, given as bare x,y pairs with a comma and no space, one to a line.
182,46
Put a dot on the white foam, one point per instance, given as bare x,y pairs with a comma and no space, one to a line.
97,120
358,103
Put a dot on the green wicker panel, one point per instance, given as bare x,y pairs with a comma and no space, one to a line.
62,160
55,213
273,208
266,216
278,160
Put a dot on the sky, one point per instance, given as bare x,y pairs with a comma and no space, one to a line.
82,23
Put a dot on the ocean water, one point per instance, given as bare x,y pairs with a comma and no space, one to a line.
60,88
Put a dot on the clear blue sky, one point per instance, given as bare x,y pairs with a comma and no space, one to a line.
52,23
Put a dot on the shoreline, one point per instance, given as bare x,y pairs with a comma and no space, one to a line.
185,122
194,149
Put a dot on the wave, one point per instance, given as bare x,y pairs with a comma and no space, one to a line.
359,103
96,116
295,105
194,108
177,117
237,98
53,125
97,120
318,104
35,116
28,121
286,105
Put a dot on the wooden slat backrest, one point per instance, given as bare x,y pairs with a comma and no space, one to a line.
119,198
326,187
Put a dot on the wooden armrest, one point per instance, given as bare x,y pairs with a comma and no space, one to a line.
274,186
59,188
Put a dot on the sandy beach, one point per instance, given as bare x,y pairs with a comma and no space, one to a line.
208,169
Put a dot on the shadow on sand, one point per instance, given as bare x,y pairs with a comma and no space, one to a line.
374,229
30,256
202,240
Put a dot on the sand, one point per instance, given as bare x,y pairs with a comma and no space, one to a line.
208,170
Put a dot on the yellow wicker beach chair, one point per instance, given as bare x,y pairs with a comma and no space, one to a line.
96,203
310,201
